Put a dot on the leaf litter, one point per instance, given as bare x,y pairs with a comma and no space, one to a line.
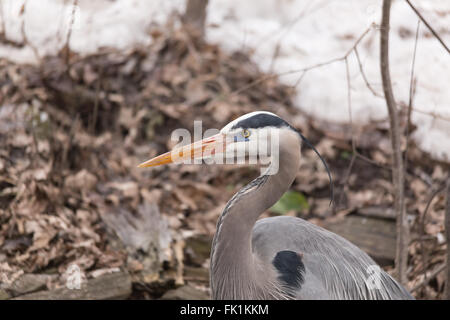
71,136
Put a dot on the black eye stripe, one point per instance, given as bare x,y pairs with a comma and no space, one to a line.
260,121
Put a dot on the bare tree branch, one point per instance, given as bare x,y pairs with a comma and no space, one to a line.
428,26
24,34
422,219
447,235
305,69
2,17
69,33
350,118
407,134
397,167
431,276
363,74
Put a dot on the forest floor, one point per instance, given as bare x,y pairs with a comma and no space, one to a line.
74,128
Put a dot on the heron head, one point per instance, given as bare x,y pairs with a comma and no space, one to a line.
259,134
256,137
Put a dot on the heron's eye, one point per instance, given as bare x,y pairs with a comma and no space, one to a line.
245,133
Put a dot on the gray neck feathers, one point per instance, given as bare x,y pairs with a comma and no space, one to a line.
235,272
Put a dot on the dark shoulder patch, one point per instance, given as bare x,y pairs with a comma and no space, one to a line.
291,268
261,120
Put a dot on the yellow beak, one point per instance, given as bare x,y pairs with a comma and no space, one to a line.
198,150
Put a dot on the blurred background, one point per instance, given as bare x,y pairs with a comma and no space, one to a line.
89,89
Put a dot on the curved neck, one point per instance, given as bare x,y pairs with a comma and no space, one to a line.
234,269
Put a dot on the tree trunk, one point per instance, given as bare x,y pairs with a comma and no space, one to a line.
397,163
447,233
195,15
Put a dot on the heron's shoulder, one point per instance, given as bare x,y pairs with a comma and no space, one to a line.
274,234
282,222
292,233
280,219
331,263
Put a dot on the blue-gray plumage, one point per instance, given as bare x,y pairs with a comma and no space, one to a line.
279,257
286,257
334,268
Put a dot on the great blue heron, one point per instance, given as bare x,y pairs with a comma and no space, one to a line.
279,257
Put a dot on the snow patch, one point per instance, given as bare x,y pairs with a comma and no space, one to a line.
283,35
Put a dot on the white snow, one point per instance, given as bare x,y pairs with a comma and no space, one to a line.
283,35
306,33
97,23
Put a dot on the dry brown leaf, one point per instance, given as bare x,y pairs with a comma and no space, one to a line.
83,180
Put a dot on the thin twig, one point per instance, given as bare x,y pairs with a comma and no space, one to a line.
286,28
24,34
73,129
299,80
364,76
305,69
355,152
397,164
283,32
408,126
93,123
411,97
2,16
413,64
435,34
422,219
447,235
432,275
349,101
352,161
69,33
434,115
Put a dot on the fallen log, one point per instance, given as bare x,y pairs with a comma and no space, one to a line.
375,236
112,286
